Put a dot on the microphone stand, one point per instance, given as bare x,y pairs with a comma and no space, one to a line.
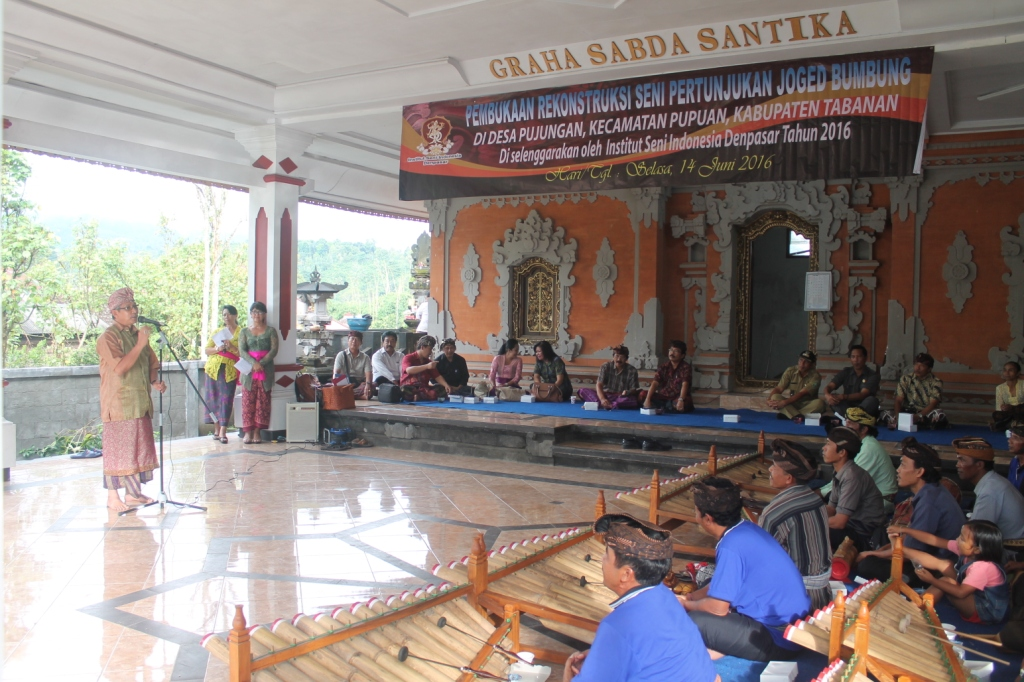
162,499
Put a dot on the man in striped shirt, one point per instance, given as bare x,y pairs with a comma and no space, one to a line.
797,518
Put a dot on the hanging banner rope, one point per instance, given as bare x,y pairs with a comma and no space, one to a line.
853,116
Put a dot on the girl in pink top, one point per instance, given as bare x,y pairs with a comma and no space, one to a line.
507,366
976,582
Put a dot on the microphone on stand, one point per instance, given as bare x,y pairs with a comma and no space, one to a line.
147,320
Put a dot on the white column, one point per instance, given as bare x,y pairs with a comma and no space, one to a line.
273,245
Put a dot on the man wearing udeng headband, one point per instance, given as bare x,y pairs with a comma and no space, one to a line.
648,636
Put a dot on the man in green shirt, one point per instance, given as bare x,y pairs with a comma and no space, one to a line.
797,393
872,457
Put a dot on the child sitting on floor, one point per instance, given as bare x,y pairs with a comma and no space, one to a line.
976,583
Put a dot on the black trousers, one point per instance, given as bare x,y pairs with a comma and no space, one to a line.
877,568
740,636
861,540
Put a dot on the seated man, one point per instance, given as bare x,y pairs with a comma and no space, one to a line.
919,392
1015,446
857,385
418,370
648,635
387,362
756,588
797,519
872,458
670,389
801,383
996,499
855,507
356,365
617,383
452,367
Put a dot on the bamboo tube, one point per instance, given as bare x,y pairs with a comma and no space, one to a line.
351,654
459,620
286,671
306,664
808,636
324,657
463,606
569,630
522,588
569,572
436,673
385,638
426,645
219,648
385,660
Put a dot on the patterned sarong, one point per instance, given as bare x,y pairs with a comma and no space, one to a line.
129,454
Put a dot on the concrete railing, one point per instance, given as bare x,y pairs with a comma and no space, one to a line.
43,401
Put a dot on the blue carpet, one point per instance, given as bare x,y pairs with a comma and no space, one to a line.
750,420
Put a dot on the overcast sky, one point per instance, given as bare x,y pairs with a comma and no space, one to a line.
67,192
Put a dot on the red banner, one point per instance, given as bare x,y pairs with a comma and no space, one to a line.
837,117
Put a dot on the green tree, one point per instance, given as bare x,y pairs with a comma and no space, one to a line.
26,248
378,279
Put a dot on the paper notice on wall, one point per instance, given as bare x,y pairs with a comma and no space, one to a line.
818,292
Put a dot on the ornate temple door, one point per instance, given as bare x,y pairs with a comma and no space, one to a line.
535,300
775,253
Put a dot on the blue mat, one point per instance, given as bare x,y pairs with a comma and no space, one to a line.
750,420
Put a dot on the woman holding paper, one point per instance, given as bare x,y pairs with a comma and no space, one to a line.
222,377
257,346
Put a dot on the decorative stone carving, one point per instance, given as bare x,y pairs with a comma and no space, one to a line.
646,206
854,315
906,339
861,193
605,272
642,334
1013,256
536,237
692,230
959,271
903,194
437,212
471,275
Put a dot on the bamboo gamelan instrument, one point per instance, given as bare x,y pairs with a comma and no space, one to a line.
868,625
556,578
669,502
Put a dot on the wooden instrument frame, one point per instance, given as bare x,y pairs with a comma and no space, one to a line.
860,656
674,520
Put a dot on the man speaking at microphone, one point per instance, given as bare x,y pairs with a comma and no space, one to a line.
128,372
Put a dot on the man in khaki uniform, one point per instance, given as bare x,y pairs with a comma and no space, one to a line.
797,393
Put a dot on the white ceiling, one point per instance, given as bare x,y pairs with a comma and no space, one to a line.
166,85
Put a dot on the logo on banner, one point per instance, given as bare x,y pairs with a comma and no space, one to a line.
437,142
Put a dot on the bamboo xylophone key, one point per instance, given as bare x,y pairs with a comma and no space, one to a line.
289,671
385,637
436,673
328,659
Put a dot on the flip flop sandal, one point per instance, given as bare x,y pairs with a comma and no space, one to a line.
361,443
248,442
224,440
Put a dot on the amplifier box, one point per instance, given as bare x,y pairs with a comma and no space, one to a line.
302,422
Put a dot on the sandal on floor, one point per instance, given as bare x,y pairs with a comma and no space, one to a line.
247,442
224,440
361,443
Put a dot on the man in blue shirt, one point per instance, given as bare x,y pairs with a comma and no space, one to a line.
647,637
1015,444
756,589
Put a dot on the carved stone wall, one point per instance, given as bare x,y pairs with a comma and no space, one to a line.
537,237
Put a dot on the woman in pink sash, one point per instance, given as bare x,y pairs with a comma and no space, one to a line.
257,345
221,375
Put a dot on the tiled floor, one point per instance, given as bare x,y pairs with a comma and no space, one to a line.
93,596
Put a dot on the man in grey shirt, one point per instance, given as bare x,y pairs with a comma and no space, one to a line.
356,365
855,507
854,386
996,499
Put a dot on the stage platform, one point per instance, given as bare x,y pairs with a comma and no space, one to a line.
564,434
